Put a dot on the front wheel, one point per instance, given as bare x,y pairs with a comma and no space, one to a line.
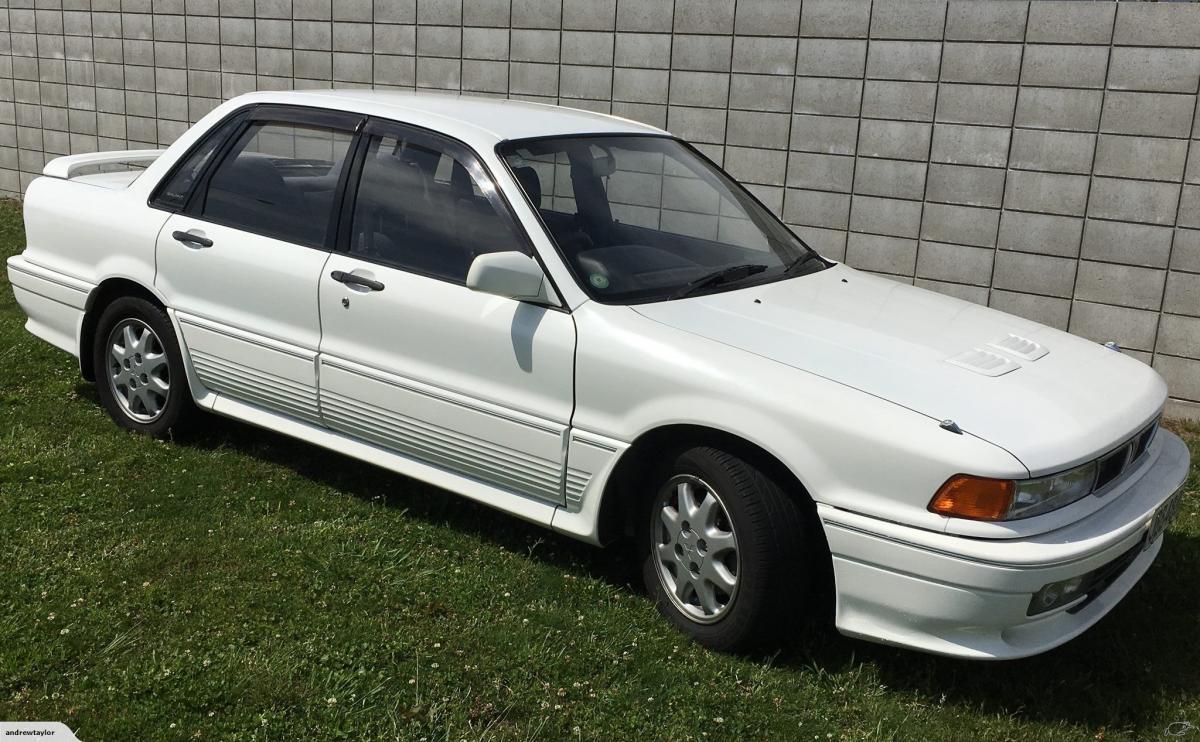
139,369
724,550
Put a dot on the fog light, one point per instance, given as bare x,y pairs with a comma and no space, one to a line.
1056,595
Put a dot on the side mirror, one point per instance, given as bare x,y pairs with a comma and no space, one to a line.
510,274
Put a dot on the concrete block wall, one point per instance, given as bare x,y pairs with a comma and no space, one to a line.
1039,157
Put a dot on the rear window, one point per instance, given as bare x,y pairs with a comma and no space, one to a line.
173,193
279,180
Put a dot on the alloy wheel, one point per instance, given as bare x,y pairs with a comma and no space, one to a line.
138,373
695,548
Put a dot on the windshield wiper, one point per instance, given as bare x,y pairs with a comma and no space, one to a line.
795,266
724,275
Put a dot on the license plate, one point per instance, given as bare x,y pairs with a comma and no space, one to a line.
1163,516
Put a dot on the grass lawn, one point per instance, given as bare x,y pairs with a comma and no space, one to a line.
238,584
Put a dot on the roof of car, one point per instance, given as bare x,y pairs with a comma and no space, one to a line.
497,119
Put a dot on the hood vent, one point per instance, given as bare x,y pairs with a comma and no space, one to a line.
984,362
990,363
1023,348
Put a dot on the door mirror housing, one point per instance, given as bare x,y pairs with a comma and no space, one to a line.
510,274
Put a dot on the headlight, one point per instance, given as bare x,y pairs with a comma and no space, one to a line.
1037,496
982,498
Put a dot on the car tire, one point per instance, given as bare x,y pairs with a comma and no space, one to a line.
140,377
736,579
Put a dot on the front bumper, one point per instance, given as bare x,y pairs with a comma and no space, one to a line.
966,597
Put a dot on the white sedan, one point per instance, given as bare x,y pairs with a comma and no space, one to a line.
582,321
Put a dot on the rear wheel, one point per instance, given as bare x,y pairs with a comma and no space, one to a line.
725,548
139,370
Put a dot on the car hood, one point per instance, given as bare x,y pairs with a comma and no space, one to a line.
1049,398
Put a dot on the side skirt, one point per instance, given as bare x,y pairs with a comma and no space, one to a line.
526,508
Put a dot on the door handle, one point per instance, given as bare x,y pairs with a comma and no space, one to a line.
350,278
192,240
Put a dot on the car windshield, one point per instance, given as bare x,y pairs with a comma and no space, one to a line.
646,218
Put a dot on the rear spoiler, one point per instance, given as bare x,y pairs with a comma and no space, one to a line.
69,166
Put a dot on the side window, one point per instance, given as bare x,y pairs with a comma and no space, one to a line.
427,208
173,193
279,180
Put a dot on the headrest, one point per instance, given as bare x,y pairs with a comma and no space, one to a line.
392,178
460,181
604,165
530,182
250,173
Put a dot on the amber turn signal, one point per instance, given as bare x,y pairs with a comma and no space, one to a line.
978,498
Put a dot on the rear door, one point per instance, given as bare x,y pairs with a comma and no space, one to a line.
240,263
413,360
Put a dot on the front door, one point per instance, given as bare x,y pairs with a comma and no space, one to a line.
241,262
413,360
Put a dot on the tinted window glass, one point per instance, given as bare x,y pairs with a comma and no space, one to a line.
427,208
646,219
279,180
174,192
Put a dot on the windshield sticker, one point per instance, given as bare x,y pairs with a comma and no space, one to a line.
599,280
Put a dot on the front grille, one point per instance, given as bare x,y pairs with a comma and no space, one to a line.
1112,465
1115,463
1143,440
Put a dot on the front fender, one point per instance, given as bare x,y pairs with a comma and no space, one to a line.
849,449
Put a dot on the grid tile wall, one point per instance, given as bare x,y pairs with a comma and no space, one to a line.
1039,157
